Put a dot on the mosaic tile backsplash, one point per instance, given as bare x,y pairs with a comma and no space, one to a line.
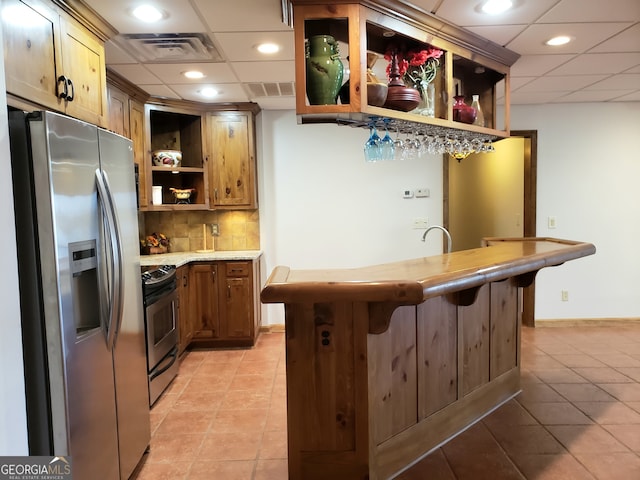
238,229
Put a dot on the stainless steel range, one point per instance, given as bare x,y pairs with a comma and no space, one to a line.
161,322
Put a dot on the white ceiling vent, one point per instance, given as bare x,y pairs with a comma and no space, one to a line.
272,89
171,47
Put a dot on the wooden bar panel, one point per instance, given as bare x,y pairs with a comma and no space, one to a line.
437,355
392,375
504,327
475,341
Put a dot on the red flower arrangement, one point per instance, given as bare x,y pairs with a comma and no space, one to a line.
416,66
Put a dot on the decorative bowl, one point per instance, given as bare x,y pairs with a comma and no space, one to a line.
376,94
166,158
182,195
402,98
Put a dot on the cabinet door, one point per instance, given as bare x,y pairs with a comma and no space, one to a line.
204,292
185,324
118,111
137,136
232,166
30,30
238,308
84,64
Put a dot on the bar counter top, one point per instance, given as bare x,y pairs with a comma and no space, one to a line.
411,282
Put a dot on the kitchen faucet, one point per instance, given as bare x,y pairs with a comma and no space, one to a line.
444,230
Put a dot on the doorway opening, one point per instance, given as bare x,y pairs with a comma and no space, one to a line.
500,204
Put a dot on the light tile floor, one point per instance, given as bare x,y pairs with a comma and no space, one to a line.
577,418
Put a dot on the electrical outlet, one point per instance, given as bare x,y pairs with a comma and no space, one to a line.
564,295
422,192
215,229
551,222
420,223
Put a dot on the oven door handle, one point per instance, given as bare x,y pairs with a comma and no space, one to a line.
171,357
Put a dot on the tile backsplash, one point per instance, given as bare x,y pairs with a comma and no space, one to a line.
238,229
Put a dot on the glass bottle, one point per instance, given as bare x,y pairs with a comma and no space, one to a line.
475,103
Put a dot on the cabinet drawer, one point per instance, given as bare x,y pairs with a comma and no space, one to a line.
238,269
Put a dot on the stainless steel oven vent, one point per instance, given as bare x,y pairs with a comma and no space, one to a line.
171,47
272,89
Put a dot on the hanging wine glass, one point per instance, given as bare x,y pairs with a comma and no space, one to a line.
387,148
372,151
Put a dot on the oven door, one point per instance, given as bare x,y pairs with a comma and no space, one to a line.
161,318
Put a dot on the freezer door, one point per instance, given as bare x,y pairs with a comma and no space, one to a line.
130,361
65,156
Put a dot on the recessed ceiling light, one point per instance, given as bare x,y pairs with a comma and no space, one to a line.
148,13
268,48
495,7
193,74
209,92
559,40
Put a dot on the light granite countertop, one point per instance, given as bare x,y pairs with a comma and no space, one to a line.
181,258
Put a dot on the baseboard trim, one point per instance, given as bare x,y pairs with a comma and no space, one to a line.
275,328
588,322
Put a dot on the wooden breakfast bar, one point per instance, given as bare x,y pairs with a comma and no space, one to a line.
386,363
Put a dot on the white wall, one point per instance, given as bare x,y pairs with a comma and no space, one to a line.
13,420
322,206
588,175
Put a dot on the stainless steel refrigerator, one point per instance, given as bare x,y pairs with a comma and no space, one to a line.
80,294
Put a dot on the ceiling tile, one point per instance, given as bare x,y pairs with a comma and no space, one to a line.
181,18
242,15
161,91
136,74
632,97
531,41
593,11
114,54
240,47
500,34
171,73
229,92
537,65
277,103
560,84
626,41
584,96
623,81
265,71
598,63
467,12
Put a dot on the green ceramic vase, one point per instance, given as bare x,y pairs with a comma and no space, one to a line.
324,70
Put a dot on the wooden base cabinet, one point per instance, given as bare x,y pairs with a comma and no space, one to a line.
225,306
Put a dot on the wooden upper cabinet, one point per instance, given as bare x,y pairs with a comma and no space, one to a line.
232,162
118,111
49,55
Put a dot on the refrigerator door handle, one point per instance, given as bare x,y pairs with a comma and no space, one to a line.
112,228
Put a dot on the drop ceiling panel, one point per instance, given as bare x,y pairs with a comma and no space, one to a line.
229,92
536,65
277,103
242,15
265,71
241,47
533,98
632,97
561,84
114,54
626,41
592,11
180,17
500,34
426,5
584,96
606,63
171,73
623,81
161,91
467,12
531,41
136,74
